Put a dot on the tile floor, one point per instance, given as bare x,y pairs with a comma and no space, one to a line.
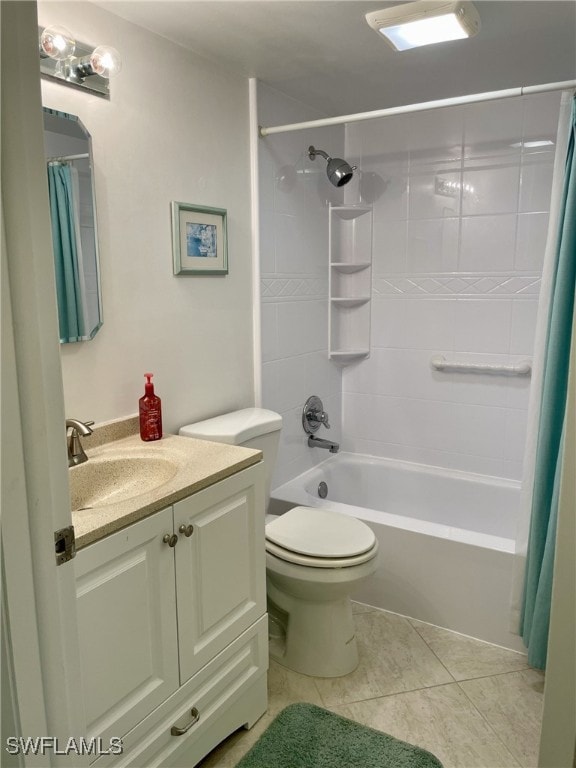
474,705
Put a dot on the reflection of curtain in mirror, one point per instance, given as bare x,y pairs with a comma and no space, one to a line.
67,251
80,251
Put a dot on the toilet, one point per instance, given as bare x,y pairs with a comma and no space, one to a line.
315,558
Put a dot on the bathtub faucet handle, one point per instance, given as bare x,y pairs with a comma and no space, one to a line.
318,416
314,415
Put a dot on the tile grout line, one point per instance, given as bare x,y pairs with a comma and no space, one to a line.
389,695
477,677
432,651
488,724
495,674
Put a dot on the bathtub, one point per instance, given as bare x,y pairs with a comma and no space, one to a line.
446,538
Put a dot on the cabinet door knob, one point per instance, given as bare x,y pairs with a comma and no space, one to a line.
171,539
187,530
175,731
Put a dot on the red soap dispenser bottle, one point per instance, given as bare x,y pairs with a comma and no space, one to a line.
150,412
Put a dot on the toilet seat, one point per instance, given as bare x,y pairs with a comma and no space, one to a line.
320,562
320,538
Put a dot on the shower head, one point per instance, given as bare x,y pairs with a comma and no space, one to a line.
339,172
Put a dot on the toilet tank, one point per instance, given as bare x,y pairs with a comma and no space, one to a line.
251,428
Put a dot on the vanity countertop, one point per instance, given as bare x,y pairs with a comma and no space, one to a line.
195,464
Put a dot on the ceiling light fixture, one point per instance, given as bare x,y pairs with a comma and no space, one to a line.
72,63
425,22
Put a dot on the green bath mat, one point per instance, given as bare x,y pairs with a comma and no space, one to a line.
306,736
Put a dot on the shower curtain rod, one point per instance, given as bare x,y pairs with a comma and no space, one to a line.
424,106
67,157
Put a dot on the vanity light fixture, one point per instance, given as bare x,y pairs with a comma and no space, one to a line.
72,63
425,22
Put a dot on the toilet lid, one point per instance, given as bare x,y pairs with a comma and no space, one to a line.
320,533
320,562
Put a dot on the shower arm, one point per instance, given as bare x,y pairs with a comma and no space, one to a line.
312,152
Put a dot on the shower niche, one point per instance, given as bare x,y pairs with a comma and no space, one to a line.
350,282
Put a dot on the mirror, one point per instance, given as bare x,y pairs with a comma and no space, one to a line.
68,152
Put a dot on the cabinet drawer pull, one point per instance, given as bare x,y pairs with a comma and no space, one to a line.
187,530
175,731
170,539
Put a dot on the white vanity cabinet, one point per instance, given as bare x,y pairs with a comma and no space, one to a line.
173,627
220,569
127,625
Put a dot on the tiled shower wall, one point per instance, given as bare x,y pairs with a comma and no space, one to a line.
461,202
294,197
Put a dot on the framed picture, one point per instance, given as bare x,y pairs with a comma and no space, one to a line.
199,240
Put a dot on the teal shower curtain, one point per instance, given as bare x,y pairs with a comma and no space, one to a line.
541,545
66,252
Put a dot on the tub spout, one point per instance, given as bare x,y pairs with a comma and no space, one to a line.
318,442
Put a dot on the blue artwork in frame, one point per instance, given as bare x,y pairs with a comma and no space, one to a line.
199,240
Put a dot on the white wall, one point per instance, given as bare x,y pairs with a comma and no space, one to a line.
176,128
453,274
294,197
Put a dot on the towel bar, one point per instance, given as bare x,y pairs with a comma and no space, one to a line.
439,363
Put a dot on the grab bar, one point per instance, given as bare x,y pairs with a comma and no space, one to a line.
439,363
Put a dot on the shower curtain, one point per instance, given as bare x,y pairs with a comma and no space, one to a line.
545,450
67,251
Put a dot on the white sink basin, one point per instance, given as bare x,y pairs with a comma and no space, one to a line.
103,481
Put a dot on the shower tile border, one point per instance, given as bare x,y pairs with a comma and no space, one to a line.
483,285
294,288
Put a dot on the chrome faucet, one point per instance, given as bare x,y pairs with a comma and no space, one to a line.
313,416
76,454
318,442
318,416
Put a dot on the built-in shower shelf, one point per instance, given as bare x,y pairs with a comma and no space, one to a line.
350,211
350,282
348,269
349,355
350,301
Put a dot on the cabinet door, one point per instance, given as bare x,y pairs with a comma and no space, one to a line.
220,566
127,625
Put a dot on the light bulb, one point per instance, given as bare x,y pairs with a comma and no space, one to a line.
105,61
57,43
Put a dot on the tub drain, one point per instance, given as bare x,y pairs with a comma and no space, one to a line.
322,490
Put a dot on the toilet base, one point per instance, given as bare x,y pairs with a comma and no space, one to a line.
320,637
